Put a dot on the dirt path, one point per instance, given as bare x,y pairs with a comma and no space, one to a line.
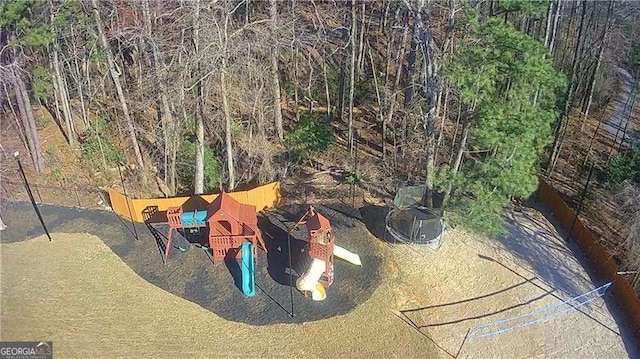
624,108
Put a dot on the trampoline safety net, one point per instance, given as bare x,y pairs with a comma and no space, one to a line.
410,222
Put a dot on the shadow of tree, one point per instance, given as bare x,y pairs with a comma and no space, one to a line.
533,240
373,218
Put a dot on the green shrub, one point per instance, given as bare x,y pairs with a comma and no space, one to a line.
186,169
353,178
311,134
624,166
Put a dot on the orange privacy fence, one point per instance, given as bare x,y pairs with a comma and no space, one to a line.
597,256
265,196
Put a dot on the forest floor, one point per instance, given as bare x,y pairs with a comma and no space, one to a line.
79,293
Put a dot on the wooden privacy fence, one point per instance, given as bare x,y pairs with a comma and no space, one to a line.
603,262
265,196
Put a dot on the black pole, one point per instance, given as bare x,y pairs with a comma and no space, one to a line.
33,201
290,274
463,342
355,171
124,190
584,193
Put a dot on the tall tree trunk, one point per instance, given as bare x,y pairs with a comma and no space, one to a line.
594,74
168,125
548,28
550,35
375,83
564,119
443,117
361,55
567,38
198,184
183,110
57,116
61,85
393,94
409,82
341,88
79,82
388,92
466,127
448,37
273,11
226,109
326,87
28,121
554,31
553,20
352,69
430,93
19,127
310,83
455,133
123,102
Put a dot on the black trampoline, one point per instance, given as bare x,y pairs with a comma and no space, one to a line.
409,222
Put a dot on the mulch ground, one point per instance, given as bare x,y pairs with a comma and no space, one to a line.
191,275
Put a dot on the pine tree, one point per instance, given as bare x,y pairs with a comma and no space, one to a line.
497,76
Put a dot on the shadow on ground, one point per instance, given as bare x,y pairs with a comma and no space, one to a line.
533,239
190,274
540,242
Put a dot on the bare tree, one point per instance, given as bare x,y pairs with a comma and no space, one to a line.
571,89
352,77
628,198
596,69
198,186
168,125
223,37
275,73
60,85
10,78
115,76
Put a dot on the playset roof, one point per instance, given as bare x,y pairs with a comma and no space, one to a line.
242,213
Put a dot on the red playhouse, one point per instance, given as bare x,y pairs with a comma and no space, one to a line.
320,242
321,248
230,224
